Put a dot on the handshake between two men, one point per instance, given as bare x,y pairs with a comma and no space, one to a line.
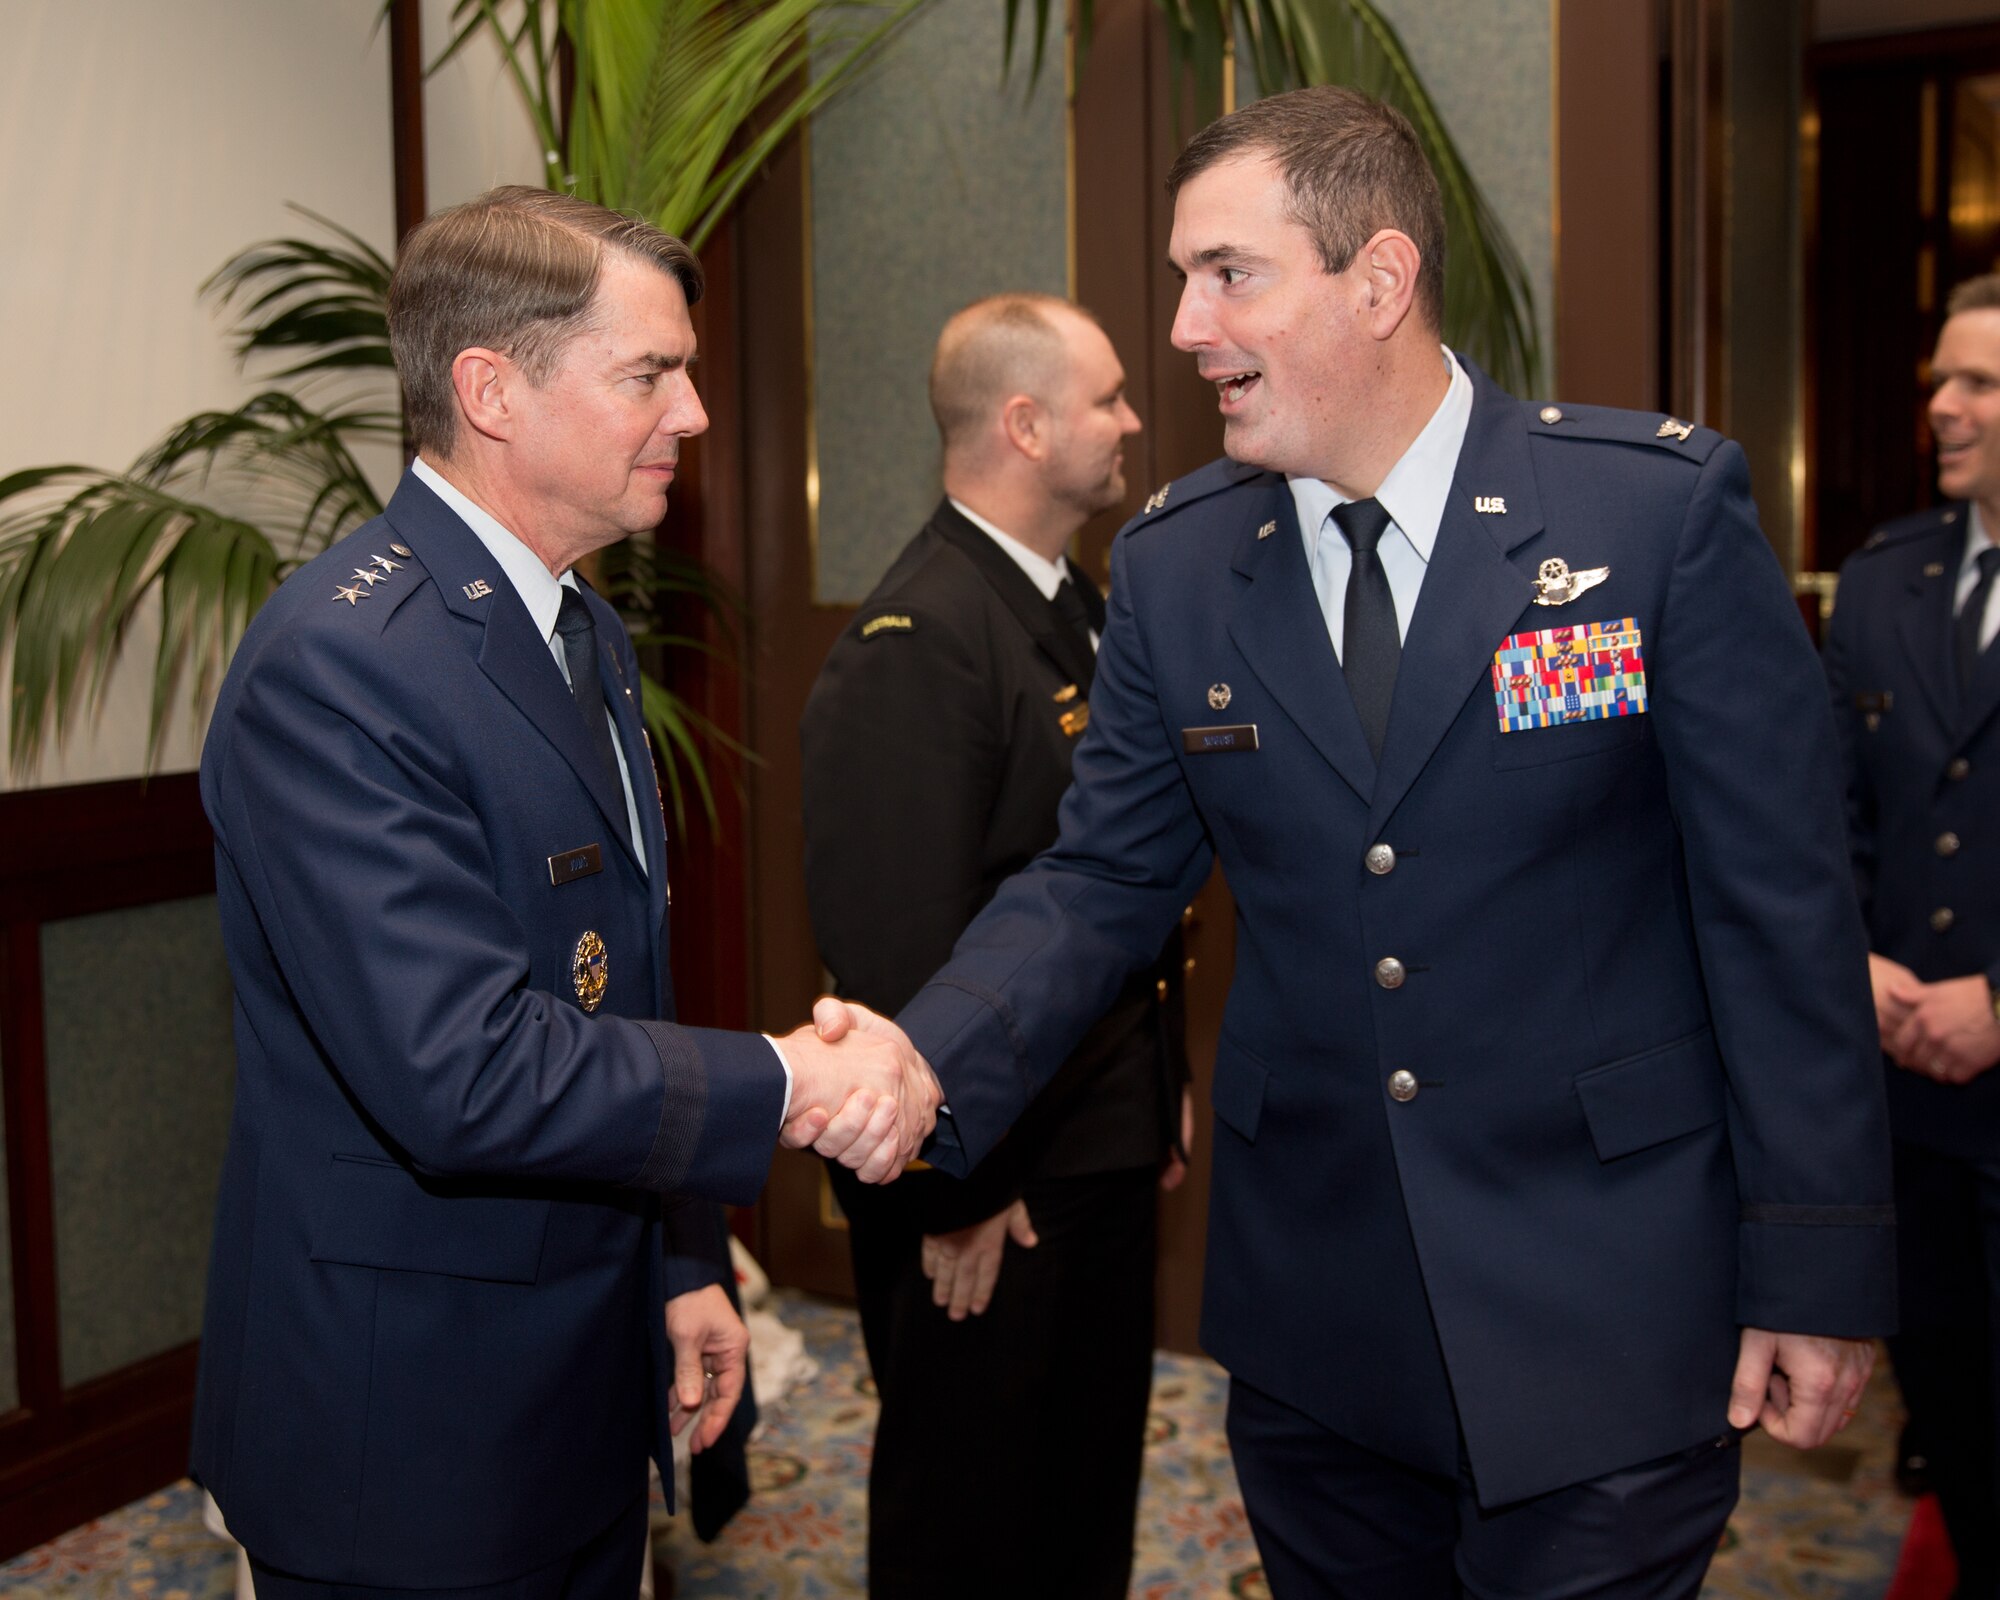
861,1095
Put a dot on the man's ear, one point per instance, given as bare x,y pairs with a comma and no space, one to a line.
1026,426
1390,262
485,382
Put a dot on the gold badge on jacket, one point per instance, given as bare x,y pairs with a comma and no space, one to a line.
590,967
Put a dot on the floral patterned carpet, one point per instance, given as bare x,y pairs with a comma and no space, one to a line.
1823,1527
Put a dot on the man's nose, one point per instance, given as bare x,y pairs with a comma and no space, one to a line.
1190,322
686,419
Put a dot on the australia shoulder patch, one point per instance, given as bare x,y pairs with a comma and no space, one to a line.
888,622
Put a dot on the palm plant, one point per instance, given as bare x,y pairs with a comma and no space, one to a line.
1489,303
672,107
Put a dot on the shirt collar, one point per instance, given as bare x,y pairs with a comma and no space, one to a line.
1415,491
1976,539
1045,574
540,589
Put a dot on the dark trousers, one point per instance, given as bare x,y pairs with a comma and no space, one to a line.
1008,1453
1337,1522
607,1568
1947,1357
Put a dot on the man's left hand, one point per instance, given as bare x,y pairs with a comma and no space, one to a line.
1802,1388
1951,1033
711,1362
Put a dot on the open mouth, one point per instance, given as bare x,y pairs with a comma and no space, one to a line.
1235,386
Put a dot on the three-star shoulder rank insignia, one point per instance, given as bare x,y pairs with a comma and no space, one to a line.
365,578
1267,530
1671,429
1492,504
1157,498
1556,585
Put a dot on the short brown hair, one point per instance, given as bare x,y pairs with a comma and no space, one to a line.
1353,167
1005,344
515,270
1975,294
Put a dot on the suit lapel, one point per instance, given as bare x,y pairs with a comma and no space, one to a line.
1015,587
512,652
1279,630
1924,627
1472,594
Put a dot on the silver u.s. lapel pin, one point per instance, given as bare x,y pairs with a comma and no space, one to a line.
1491,504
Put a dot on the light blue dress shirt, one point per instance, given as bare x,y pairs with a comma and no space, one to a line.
1413,494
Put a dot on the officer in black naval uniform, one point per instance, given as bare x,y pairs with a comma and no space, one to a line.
937,746
1916,691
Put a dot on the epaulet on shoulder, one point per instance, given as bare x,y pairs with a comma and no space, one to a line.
1611,425
1198,485
1914,525
371,577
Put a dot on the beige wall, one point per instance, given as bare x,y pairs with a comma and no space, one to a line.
145,145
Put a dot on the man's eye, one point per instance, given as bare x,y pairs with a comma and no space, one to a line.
1231,276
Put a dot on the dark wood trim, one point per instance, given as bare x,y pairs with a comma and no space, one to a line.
406,112
1608,205
67,1455
1875,49
30,1173
120,1436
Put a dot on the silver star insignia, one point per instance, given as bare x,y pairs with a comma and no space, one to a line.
351,595
386,564
368,576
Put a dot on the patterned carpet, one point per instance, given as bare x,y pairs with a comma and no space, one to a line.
1823,1527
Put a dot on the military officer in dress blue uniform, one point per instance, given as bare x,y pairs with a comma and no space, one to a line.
1916,696
1550,1149
467,1273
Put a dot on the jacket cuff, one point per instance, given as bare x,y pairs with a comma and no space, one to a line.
1826,1270
725,1096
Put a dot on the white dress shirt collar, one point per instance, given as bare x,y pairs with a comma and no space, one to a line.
1046,575
1417,486
540,589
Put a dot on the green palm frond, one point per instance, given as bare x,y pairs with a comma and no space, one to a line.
293,295
1489,302
679,103
211,517
74,573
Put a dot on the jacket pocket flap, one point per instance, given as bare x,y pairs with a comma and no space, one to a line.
1238,1095
1652,1097
373,1213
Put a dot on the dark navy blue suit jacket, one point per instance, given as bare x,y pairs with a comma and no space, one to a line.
1648,1109
1923,762
433,1351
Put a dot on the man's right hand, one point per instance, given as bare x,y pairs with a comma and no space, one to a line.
1897,990
861,1095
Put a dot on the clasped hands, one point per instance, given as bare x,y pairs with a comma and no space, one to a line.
861,1095
1944,1030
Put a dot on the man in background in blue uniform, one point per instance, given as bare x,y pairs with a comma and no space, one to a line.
1916,695
1550,1150
466,1273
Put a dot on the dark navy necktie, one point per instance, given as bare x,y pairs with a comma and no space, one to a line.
1371,645
579,640
1073,617
1972,615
